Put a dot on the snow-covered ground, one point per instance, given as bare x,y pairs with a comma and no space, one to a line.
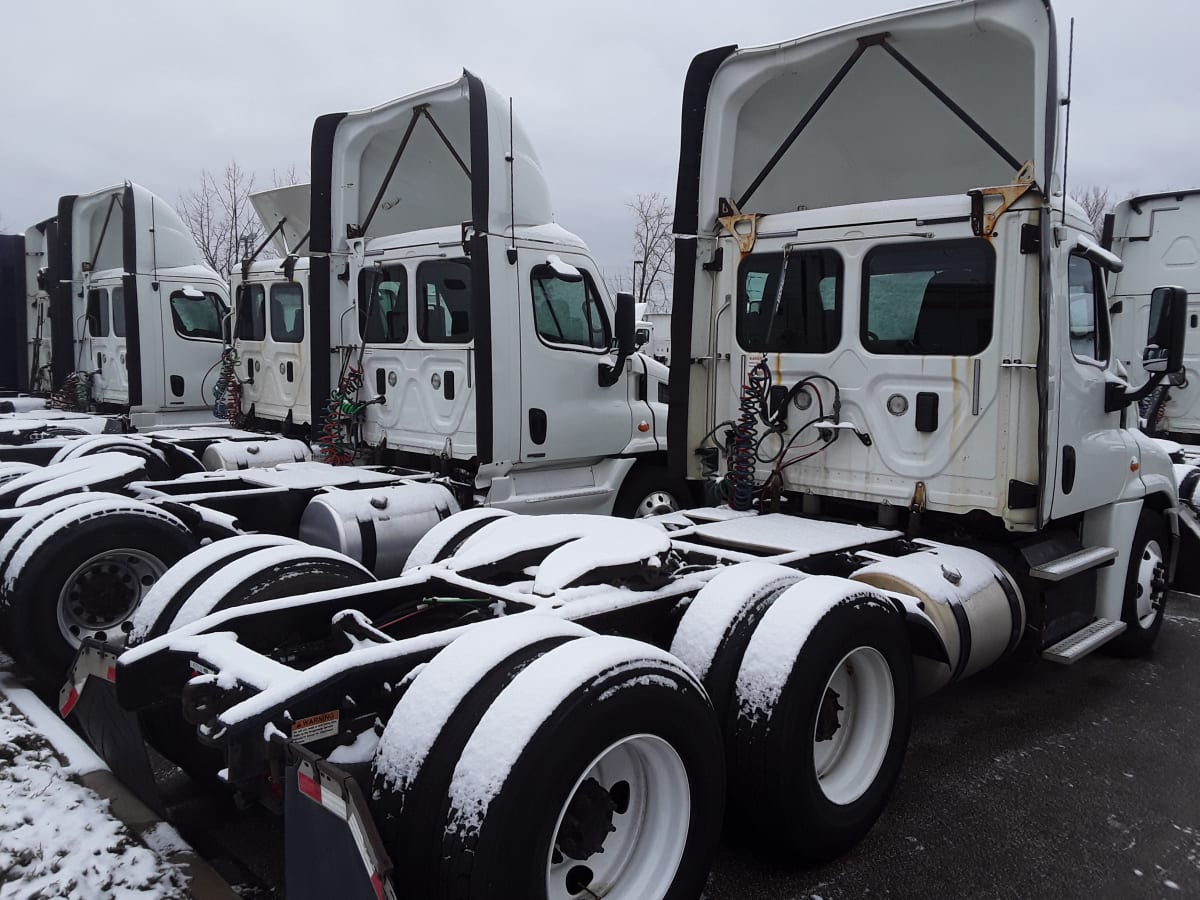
57,837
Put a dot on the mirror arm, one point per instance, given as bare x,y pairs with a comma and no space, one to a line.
610,375
1117,396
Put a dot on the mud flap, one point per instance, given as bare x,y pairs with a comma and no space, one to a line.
115,734
331,846
1187,560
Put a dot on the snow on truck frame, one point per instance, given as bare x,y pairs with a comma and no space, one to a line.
892,342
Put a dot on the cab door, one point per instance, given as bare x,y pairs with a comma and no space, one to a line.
250,334
102,351
1092,459
566,335
420,363
288,323
193,324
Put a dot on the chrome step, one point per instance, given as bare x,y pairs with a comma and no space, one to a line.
1074,563
1078,645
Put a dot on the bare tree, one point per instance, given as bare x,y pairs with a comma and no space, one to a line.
220,217
286,178
653,251
1094,199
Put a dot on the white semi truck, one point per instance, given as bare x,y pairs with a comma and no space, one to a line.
508,374
120,313
932,462
1157,236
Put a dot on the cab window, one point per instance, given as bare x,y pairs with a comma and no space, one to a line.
1089,337
444,302
568,312
97,312
929,298
383,305
790,303
197,316
118,311
287,313
251,312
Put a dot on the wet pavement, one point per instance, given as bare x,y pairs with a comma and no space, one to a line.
1031,780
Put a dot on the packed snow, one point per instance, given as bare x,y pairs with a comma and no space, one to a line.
58,839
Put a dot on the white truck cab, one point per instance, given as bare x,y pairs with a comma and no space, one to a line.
137,313
1157,236
912,336
467,331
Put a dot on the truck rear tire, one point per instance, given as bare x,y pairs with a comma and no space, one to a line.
269,574
1145,588
444,538
156,614
651,491
626,772
157,467
84,577
620,752
812,769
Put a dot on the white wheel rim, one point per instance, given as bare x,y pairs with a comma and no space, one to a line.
102,593
1147,590
638,858
656,504
854,725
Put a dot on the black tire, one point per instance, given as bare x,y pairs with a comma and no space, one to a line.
157,468
157,614
444,538
646,491
70,477
734,602
1149,539
774,788
71,539
271,574
641,699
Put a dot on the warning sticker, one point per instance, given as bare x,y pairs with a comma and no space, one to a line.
314,728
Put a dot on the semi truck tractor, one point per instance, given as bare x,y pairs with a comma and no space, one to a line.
1158,238
891,354
391,337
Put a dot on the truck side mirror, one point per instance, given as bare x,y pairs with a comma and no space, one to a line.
1164,351
1168,327
624,324
641,337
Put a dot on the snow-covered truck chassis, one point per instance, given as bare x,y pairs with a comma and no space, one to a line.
408,711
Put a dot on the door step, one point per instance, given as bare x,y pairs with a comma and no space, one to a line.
1078,645
1074,563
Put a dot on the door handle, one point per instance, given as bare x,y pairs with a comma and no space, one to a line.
448,385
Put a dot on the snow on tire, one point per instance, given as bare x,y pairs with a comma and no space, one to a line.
819,728
596,763
157,612
81,573
716,626
157,467
446,536
287,570
102,472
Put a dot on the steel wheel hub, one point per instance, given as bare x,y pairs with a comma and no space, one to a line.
103,592
622,832
1150,583
854,725
656,504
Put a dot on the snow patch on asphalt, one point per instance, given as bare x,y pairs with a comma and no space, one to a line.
57,838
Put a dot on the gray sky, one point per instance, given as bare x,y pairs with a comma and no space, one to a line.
154,91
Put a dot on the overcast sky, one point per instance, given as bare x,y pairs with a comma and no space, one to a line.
156,90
